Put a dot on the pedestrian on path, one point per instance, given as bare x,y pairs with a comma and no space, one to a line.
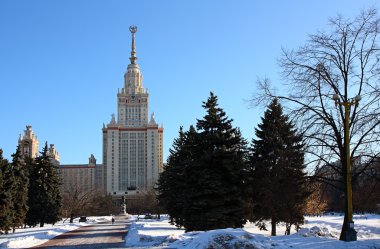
113,220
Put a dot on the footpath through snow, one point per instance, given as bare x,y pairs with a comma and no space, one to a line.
29,237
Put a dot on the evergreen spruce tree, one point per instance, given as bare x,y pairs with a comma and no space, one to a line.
45,199
168,181
6,194
214,179
33,201
171,184
20,194
279,191
2,161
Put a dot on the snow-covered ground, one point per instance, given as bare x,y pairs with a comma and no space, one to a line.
29,237
317,232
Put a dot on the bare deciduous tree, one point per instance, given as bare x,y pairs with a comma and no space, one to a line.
77,199
315,204
344,62
145,202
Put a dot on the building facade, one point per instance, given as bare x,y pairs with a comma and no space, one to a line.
132,141
53,154
79,177
28,143
82,177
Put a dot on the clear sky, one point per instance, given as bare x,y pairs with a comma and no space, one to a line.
62,61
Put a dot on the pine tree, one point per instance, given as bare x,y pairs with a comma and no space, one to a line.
45,194
33,201
20,189
278,175
168,181
6,194
214,179
171,184
1,169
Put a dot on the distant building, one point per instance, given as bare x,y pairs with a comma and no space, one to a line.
80,177
54,156
365,173
83,177
28,143
132,142
29,146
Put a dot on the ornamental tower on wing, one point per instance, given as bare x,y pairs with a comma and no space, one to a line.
132,141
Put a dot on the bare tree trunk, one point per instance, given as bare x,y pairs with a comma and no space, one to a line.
71,218
273,222
287,230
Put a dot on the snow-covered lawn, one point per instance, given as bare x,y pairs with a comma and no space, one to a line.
317,232
29,237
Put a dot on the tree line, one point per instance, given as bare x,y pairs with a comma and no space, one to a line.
213,179
29,191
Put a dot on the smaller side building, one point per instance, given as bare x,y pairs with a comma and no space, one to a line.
53,154
29,146
75,177
80,177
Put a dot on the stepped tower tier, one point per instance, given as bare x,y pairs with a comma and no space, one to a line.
28,143
133,80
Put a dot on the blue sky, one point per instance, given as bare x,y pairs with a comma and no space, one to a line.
61,62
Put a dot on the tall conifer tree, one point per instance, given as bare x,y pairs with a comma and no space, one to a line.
214,179
20,195
2,161
172,184
34,207
277,162
6,194
170,179
45,191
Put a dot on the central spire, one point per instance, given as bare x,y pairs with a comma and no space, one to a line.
133,75
133,57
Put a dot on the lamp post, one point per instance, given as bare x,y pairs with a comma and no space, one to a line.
348,232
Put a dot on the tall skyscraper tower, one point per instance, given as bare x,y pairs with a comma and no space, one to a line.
132,143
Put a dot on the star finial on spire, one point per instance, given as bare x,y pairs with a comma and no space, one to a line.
133,30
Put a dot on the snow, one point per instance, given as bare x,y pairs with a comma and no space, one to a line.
151,232
317,232
29,237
